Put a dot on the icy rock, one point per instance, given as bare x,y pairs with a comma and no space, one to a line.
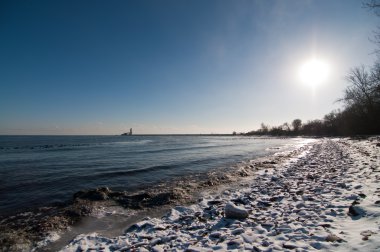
237,231
236,242
274,178
333,238
248,238
193,249
265,243
289,245
367,233
300,205
155,241
316,245
215,235
355,211
358,186
142,225
158,249
232,211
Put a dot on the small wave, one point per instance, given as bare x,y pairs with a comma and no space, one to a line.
140,142
44,146
149,169
273,148
133,171
184,148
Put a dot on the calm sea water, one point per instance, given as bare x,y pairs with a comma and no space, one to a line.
39,170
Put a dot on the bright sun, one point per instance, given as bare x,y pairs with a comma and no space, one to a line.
314,72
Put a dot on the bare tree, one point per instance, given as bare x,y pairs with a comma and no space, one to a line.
264,128
359,91
297,123
286,127
374,5
364,89
362,98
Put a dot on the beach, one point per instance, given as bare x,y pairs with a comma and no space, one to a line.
325,196
198,126
54,188
321,194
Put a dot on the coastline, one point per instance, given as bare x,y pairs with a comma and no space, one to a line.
53,226
325,198
110,212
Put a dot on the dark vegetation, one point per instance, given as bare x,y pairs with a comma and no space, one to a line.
361,111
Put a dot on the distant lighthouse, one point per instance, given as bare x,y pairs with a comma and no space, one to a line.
128,134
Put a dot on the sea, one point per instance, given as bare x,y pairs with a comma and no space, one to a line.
37,171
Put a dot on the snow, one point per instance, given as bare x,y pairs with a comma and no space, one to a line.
299,205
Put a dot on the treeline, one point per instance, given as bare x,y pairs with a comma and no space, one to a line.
360,116
361,110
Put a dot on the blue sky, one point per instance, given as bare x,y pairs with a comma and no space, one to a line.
101,67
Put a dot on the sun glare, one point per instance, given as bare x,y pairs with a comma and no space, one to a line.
313,72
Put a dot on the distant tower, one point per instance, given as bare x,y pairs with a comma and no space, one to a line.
130,131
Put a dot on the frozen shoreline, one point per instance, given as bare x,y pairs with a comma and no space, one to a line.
327,198
110,211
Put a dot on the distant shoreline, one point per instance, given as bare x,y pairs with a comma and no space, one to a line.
131,135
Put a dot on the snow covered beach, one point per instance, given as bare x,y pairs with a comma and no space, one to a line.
327,197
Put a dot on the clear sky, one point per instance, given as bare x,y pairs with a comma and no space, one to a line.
101,67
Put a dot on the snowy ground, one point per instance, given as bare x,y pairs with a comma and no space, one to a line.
327,198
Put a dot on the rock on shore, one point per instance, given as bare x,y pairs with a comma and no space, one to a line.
325,199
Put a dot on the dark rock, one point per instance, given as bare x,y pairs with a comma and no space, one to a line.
289,245
234,243
342,185
215,235
160,199
268,226
137,227
263,204
269,162
240,201
300,192
354,211
139,201
274,178
214,202
276,198
97,194
237,231
232,211
325,225
362,195
309,176
356,202
209,183
256,249
76,211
